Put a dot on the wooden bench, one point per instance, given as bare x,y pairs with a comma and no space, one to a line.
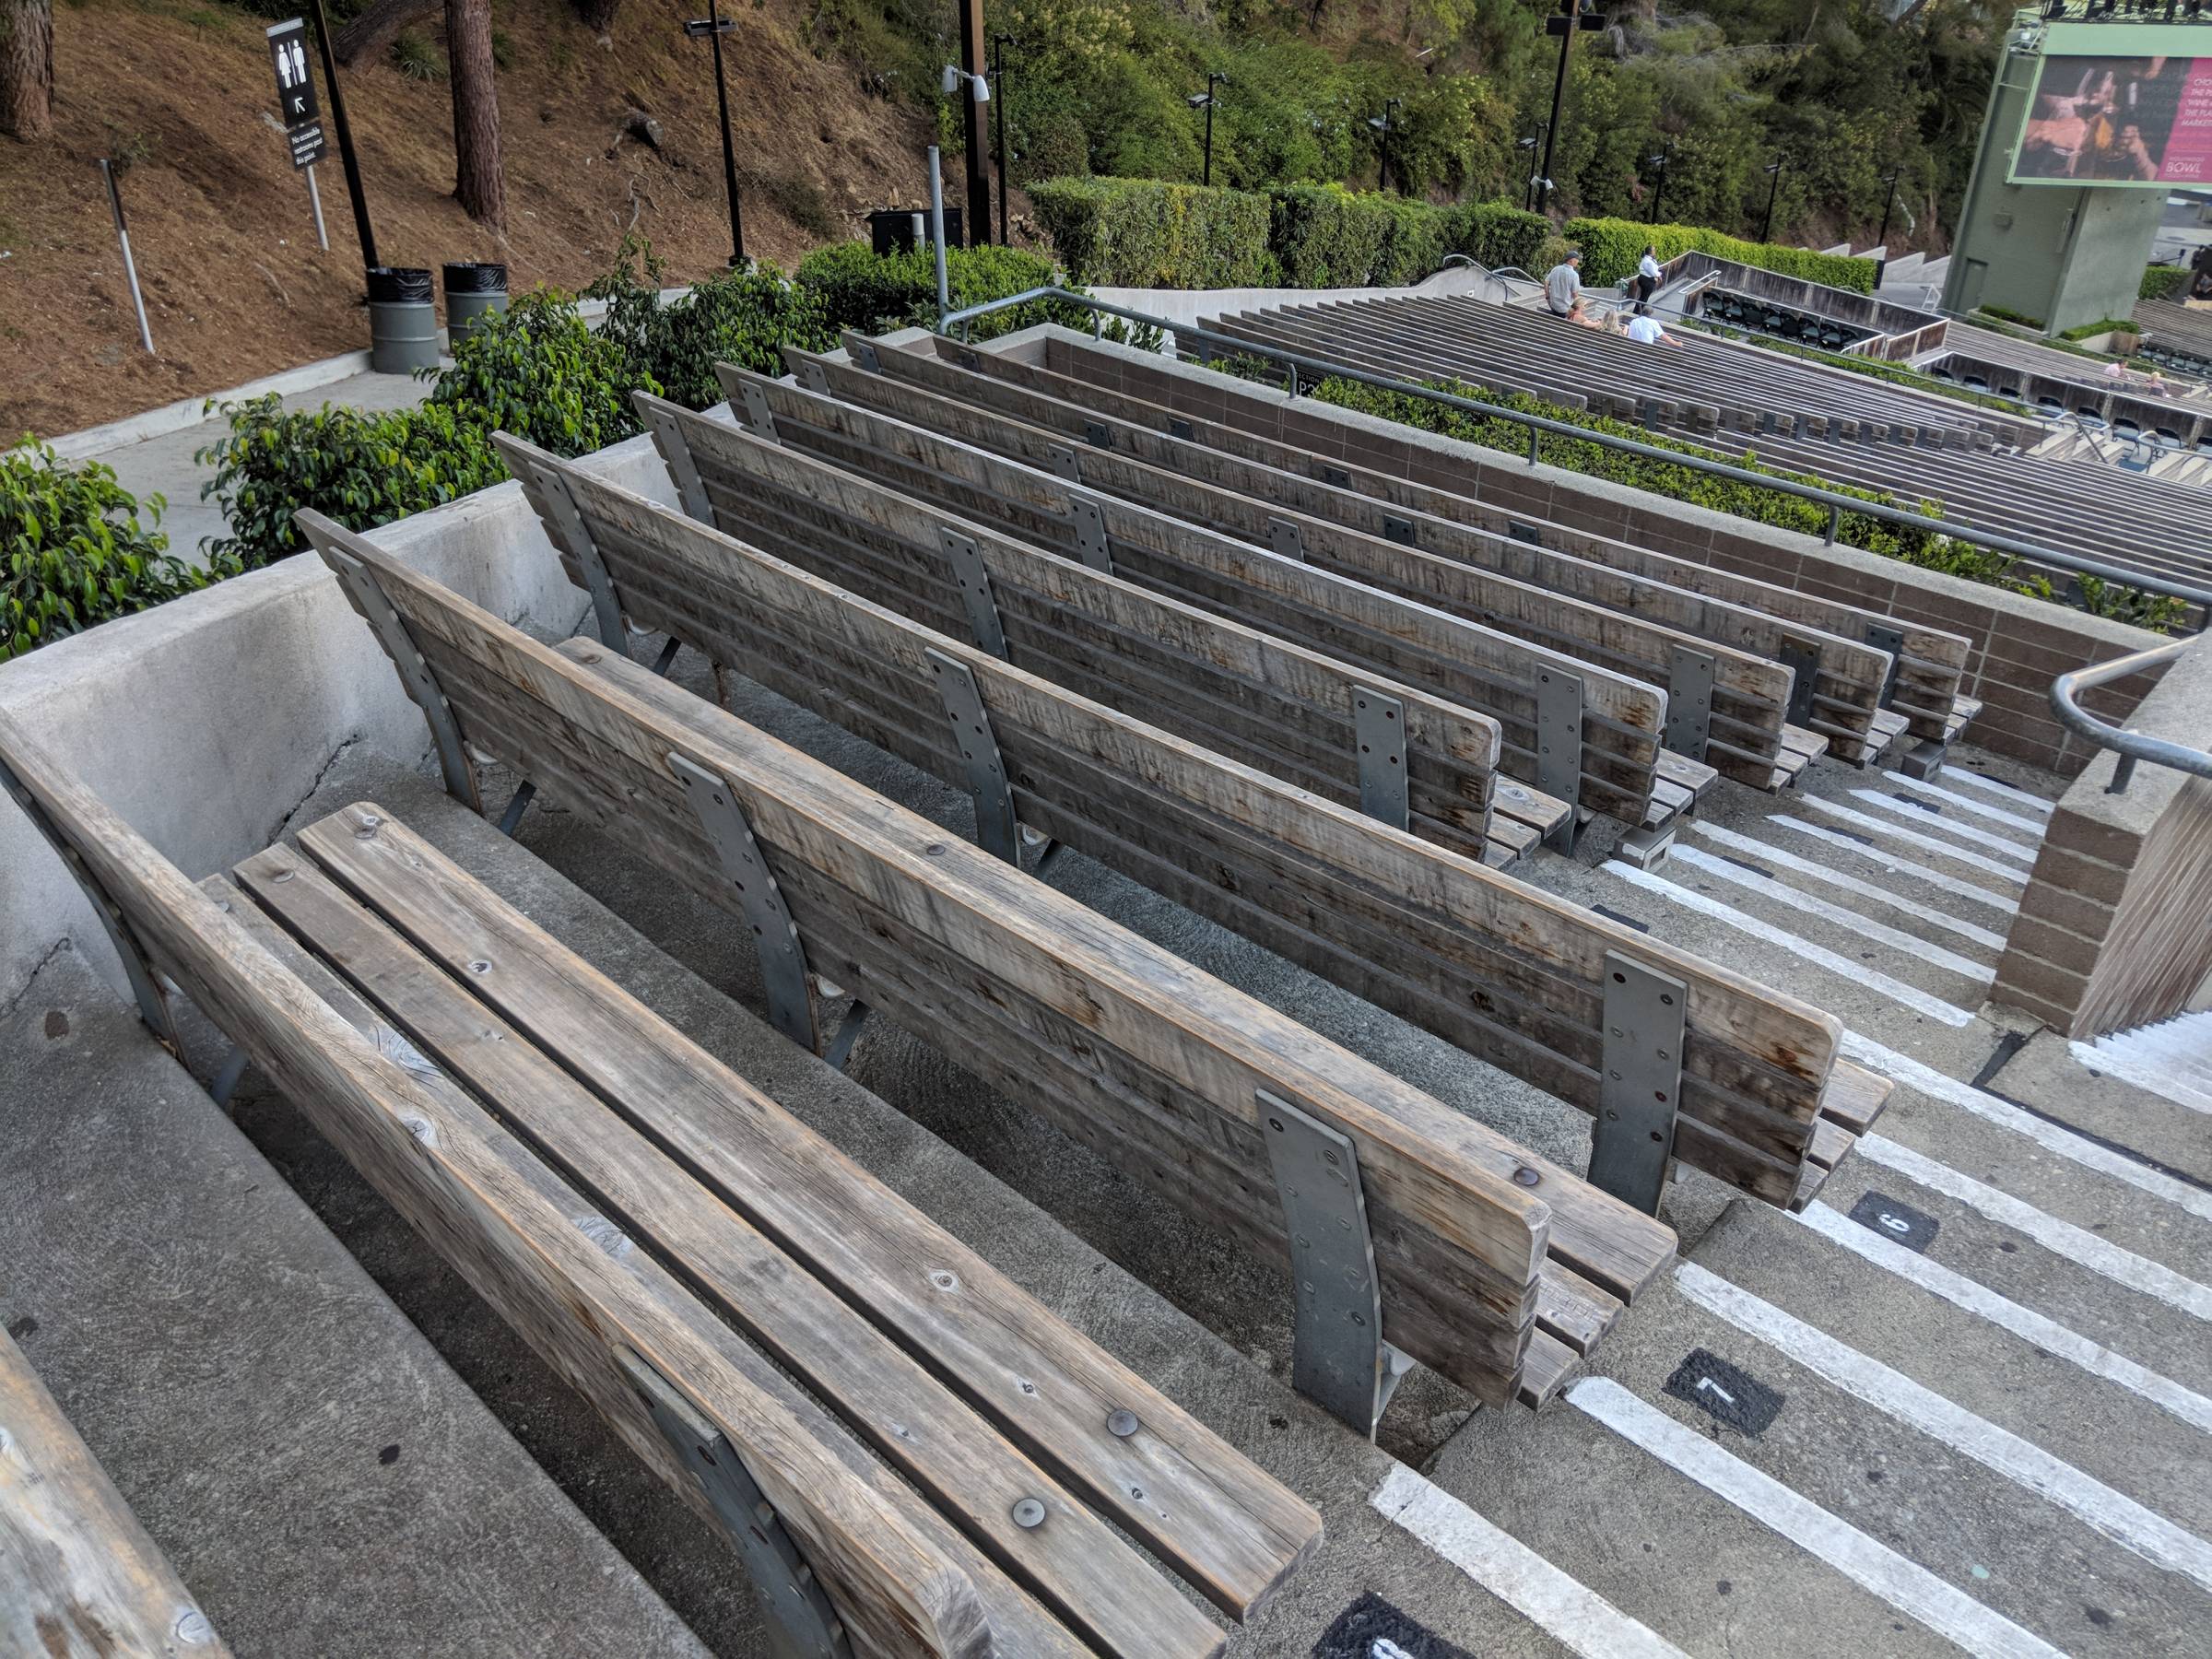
1192,1087
1508,973
1572,729
910,1453
1467,483
80,1578
1841,702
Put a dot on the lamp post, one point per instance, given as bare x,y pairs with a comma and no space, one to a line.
1204,100
998,74
1383,123
975,140
1574,15
1766,225
1659,164
714,26
1881,239
1532,144
346,156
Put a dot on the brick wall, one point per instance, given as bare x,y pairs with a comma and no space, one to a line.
2115,928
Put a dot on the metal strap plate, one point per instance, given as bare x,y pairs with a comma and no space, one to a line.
1524,533
811,375
1065,464
974,582
1689,700
1097,436
1284,539
775,936
1334,477
968,360
568,530
995,828
1397,529
790,1596
864,353
757,415
1639,1083
361,587
675,455
1338,1357
1379,725
1891,640
1559,740
1179,428
1806,660
1090,534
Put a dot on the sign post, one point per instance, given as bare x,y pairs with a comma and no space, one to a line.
302,119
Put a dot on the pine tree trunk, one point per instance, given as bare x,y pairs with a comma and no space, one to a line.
478,184
26,68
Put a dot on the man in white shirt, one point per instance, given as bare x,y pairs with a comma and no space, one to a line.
1647,280
1645,330
1563,284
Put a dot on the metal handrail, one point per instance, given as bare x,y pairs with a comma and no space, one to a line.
2131,746
1838,503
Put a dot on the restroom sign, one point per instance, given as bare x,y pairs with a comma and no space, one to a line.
296,92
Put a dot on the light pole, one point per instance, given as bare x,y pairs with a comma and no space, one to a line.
1881,240
1659,164
1531,143
1204,100
1383,123
1572,14
346,156
714,26
998,74
1766,225
975,138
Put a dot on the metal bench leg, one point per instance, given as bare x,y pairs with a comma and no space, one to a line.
227,1081
996,830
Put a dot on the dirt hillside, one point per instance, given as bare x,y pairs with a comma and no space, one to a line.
234,284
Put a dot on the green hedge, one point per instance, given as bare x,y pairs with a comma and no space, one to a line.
1611,248
859,290
2163,282
1141,233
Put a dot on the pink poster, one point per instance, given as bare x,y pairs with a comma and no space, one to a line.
2119,121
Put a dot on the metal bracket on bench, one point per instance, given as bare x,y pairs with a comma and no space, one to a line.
1396,529
675,451
775,936
1090,534
1066,463
1378,726
864,353
1285,540
1640,1084
811,376
996,826
1689,700
790,1596
974,582
1891,640
757,415
391,630
568,526
1560,746
1806,660
1338,1359
137,967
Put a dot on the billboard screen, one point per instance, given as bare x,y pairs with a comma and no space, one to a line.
2110,106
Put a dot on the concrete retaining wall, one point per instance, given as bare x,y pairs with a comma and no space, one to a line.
204,722
2115,928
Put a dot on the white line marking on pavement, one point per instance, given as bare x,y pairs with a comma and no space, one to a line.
1896,864
1913,838
2034,826
2029,1326
1572,1613
2002,790
2052,1137
1811,904
1784,859
2077,1245
2114,1515
1977,835
1911,996
1873,1565
2172,1058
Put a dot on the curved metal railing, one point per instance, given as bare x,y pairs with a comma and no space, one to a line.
1538,427
2131,746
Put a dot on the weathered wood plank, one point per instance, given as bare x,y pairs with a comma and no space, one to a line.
80,1578
512,1231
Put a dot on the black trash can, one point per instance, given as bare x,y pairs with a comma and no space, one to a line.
473,290
403,320
902,230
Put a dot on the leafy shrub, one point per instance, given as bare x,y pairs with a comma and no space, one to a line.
1323,236
1497,233
1611,248
73,551
2105,325
537,370
2163,282
2005,315
859,291
414,56
1143,234
741,317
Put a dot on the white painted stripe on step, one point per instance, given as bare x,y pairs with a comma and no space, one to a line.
1898,865
1982,810
2135,1528
2194,1408
2052,1137
1871,1564
1911,996
1781,858
1976,835
2172,1058
1811,904
2007,792
1913,838
2077,1245
1570,1612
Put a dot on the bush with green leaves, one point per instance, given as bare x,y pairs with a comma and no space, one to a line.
1611,248
537,370
74,551
742,317
856,289
2163,282
1144,233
